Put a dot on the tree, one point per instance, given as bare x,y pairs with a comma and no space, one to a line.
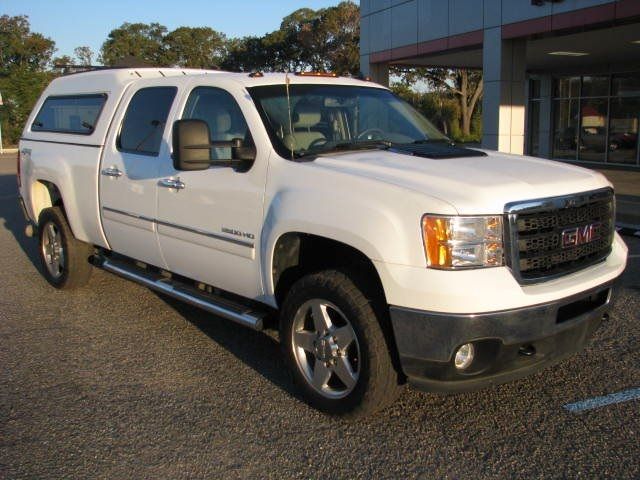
441,110
322,40
245,55
331,39
84,55
62,64
24,55
464,85
62,60
200,47
21,48
139,40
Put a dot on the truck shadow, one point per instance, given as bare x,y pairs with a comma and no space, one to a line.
13,221
257,350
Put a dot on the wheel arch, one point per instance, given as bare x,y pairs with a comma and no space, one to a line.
45,194
296,254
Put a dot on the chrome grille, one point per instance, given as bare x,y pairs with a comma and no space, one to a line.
535,229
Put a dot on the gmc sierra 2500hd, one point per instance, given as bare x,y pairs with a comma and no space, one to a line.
330,209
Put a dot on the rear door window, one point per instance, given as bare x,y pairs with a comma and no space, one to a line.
145,119
75,114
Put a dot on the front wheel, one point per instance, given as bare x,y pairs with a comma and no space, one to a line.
64,259
334,344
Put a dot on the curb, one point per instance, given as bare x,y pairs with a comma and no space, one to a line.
10,150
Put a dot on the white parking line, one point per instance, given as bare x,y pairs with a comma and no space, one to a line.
597,402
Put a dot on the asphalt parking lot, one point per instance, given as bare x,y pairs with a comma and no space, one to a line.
114,381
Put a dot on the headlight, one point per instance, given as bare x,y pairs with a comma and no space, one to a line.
462,242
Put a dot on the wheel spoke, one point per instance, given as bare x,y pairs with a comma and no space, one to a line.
304,339
344,336
51,233
344,372
321,319
321,374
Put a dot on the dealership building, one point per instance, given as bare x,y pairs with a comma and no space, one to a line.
561,77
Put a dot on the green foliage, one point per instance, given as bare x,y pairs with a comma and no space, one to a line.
463,85
440,109
135,40
23,57
84,55
323,40
200,47
62,60
21,48
152,44
244,54
20,91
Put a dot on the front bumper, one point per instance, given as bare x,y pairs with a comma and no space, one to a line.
509,344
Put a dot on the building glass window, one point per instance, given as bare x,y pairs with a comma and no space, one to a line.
533,121
565,135
626,85
623,130
567,87
593,129
595,86
596,118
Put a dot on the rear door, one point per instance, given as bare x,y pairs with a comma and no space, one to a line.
130,170
209,229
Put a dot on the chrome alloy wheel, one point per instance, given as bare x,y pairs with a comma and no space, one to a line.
52,250
326,348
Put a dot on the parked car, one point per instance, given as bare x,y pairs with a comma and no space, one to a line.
328,208
625,140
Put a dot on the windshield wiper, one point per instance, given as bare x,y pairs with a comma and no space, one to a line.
432,140
344,146
362,145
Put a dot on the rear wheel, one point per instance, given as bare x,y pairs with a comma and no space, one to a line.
64,259
335,347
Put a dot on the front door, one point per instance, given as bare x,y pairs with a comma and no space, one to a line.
129,174
208,227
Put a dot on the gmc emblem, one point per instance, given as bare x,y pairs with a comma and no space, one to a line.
572,237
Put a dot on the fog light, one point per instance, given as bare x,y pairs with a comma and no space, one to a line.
464,356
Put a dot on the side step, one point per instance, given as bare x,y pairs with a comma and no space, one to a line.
211,303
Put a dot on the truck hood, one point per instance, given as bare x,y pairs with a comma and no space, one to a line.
472,185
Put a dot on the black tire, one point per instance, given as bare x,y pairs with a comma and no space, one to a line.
73,268
378,384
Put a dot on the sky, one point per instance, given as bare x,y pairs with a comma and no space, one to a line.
73,23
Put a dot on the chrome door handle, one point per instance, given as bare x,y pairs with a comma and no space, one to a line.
174,183
112,172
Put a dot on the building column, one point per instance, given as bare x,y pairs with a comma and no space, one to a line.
503,104
378,72
546,120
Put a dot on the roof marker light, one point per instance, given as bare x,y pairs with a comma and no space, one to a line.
317,74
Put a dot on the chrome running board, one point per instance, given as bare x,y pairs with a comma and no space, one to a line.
214,304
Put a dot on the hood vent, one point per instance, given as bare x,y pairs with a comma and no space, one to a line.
435,151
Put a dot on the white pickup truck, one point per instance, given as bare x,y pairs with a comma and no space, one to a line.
328,208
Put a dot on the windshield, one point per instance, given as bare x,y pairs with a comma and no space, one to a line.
321,118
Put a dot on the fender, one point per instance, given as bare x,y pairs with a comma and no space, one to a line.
366,222
75,176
